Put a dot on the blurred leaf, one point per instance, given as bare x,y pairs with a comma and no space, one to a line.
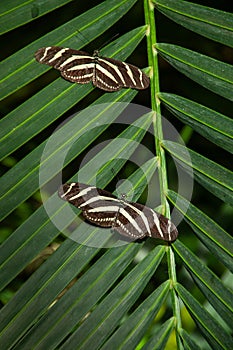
159,340
189,343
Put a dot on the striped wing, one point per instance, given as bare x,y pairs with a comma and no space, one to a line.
75,66
112,75
132,220
142,221
98,206
105,73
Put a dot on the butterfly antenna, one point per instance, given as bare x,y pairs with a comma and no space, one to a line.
108,41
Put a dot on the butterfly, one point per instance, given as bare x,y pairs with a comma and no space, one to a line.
107,74
129,219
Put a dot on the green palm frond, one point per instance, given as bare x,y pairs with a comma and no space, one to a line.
82,292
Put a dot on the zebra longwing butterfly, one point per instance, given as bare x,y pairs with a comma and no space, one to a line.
129,219
79,67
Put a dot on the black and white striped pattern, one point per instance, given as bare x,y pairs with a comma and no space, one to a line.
105,73
102,208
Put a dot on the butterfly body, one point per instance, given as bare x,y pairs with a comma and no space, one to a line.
130,219
79,67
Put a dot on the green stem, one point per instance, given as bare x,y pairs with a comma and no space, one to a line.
158,131
155,102
174,297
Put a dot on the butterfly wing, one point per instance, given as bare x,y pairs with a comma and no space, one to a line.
75,66
168,229
137,221
160,226
112,75
98,206
129,221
